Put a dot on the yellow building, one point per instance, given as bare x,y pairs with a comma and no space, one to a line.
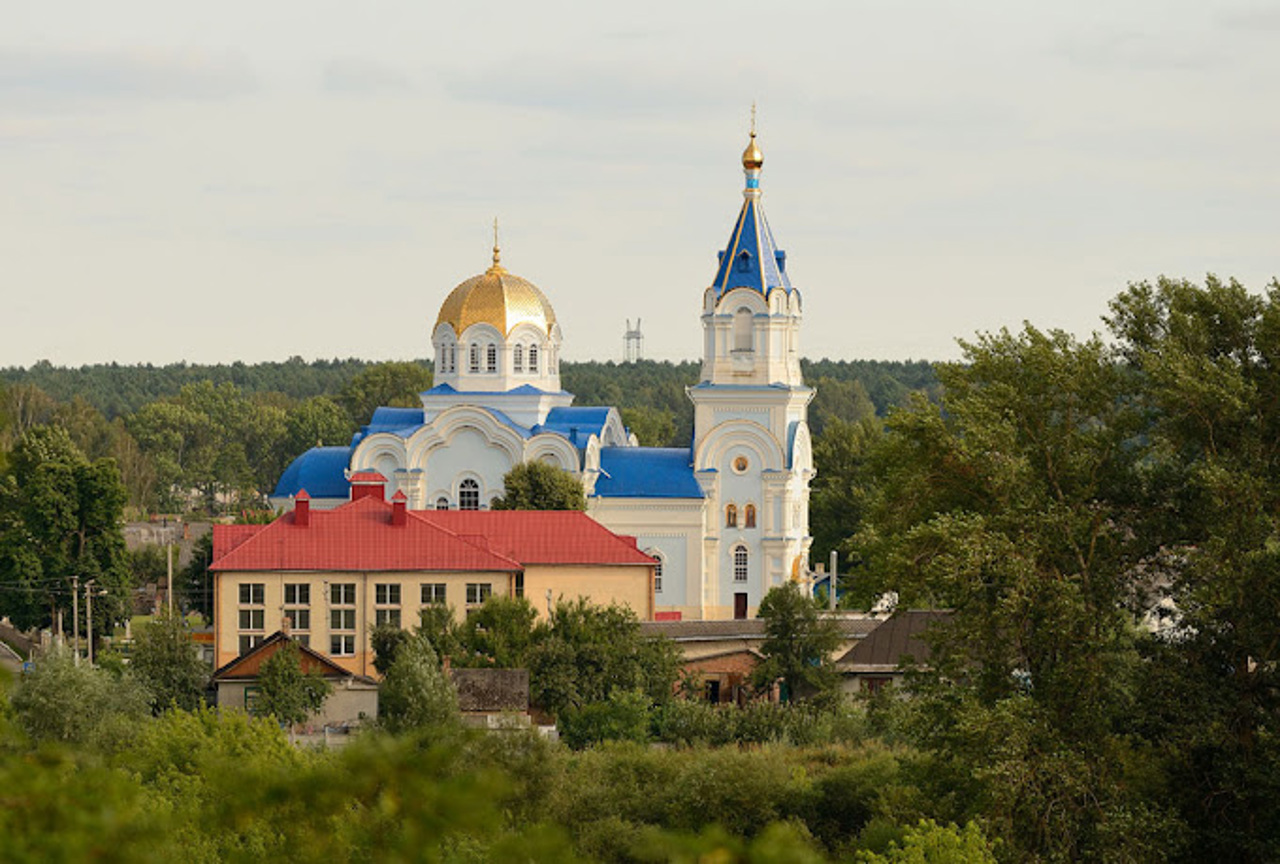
328,577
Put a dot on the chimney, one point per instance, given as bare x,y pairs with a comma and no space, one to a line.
302,509
368,484
286,625
399,507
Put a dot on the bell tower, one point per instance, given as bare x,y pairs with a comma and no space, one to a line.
752,452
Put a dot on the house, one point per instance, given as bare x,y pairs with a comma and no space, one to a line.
877,660
331,576
723,654
352,701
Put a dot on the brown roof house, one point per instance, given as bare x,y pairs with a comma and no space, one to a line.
721,655
878,659
352,701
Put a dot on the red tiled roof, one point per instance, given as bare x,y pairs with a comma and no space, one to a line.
357,536
367,477
541,536
228,537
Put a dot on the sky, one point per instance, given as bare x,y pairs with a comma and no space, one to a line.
212,182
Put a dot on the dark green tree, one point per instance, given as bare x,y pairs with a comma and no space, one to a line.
416,693
60,518
168,664
394,384
539,486
195,581
798,645
500,632
653,427
287,693
585,652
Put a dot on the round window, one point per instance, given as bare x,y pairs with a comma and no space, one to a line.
740,464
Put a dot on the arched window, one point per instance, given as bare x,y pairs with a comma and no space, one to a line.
453,358
740,561
749,517
474,364
731,516
469,495
491,358
442,503
533,358
517,359
657,570
742,330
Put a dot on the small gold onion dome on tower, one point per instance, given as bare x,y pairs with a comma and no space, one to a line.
498,298
752,158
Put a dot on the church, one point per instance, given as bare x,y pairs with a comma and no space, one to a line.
726,518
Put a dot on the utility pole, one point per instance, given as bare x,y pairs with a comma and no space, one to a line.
75,617
88,613
831,585
168,548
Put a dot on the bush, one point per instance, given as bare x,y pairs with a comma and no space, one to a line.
60,701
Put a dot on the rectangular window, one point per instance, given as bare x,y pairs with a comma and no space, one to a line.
342,619
248,643
297,595
520,584
342,646
252,593
342,594
478,592
433,592
386,595
303,639
251,619
386,616
301,618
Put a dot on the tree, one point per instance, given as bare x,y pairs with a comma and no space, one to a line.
416,693
838,494
539,486
393,384
797,646
500,632
79,704
585,652
285,692
168,664
653,427
1018,503
60,518
315,422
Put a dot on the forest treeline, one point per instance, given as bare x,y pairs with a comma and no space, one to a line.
213,438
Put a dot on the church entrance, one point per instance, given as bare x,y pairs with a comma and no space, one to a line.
740,606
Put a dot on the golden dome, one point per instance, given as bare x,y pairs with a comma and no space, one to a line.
498,298
752,157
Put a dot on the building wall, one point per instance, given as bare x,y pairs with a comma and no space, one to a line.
318,633
627,585
672,527
350,703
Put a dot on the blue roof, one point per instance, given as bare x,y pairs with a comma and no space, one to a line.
752,259
647,472
321,471
448,390
576,424
398,421
501,417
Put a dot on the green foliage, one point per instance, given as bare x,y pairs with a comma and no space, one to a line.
585,652
194,583
623,716
653,427
539,486
167,663
395,384
319,421
386,641
60,517
500,633
838,494
61,701
285,692
416,694
797,646
930,843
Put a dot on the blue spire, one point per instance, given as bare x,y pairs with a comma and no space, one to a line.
752,259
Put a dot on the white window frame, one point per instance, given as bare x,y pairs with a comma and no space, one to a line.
741,563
